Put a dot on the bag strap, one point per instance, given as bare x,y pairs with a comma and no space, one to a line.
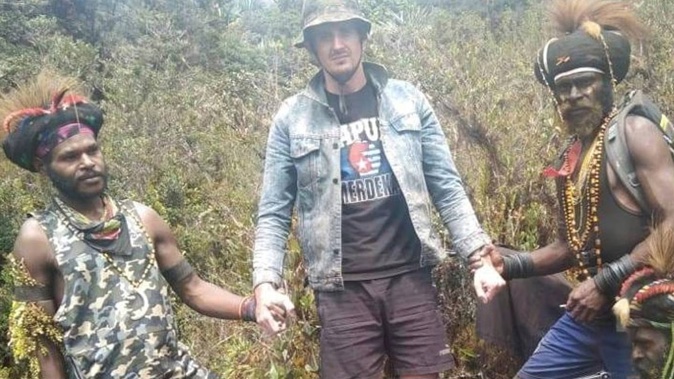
619,155
616,143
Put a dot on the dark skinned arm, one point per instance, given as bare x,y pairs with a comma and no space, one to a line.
200,295
553,258
32,247
550,259
655,170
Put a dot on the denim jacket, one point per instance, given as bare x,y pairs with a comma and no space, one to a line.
302,170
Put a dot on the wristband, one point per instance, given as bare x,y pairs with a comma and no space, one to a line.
247,309
610,277
519,265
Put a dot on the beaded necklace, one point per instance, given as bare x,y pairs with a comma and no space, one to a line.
585,223
150,259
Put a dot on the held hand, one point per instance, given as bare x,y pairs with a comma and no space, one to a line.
585,301
487,281
489,252
274,309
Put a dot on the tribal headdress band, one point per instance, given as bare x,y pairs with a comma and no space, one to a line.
647,296
41,114
593,38
48,141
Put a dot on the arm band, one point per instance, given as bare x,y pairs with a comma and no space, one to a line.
178,272
31,294
247,309
519,265
610,277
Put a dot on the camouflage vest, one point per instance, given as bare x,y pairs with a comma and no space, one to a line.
115,324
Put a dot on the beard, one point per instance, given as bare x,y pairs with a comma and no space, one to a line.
343,77
69,189
649,372
586,123
653,367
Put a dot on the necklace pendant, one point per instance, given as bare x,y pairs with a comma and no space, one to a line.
137,304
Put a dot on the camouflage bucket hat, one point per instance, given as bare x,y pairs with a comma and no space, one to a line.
327,11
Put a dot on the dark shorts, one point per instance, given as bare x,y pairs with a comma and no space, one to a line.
396,317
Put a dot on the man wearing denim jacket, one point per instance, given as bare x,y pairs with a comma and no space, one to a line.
363,158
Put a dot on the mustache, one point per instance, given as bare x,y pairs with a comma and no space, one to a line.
590,110
91,174
339,53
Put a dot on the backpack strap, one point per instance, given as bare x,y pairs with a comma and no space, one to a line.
619,158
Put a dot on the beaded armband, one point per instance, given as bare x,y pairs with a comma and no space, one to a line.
29,323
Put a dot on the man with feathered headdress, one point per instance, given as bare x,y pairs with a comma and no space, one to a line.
90,298
604,230
646,309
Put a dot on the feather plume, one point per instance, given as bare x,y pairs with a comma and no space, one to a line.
35,94
621,310
569,15
592,28
661,251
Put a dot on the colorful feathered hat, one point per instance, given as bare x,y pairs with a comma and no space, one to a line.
594,37
647,296
42,113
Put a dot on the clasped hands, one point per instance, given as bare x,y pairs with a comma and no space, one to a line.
584,303
487,266
274,309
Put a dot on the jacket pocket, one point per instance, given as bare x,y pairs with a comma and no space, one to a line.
405,139
305,152
407,123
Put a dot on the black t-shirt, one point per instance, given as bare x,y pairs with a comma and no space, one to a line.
378,239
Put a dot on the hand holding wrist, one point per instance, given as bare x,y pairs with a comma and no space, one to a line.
487,282
273,308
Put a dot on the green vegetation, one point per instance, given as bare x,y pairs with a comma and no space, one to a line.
189,88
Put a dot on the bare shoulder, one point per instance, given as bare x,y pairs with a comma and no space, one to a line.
166,247
644,138
32,234
33,248
152,221
638,128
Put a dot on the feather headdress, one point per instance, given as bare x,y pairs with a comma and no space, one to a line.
661,256
647,296
37,96
34,111
594,36
567,16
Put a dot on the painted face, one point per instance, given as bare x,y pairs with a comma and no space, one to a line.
584,99
338,46
649,349
77,168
